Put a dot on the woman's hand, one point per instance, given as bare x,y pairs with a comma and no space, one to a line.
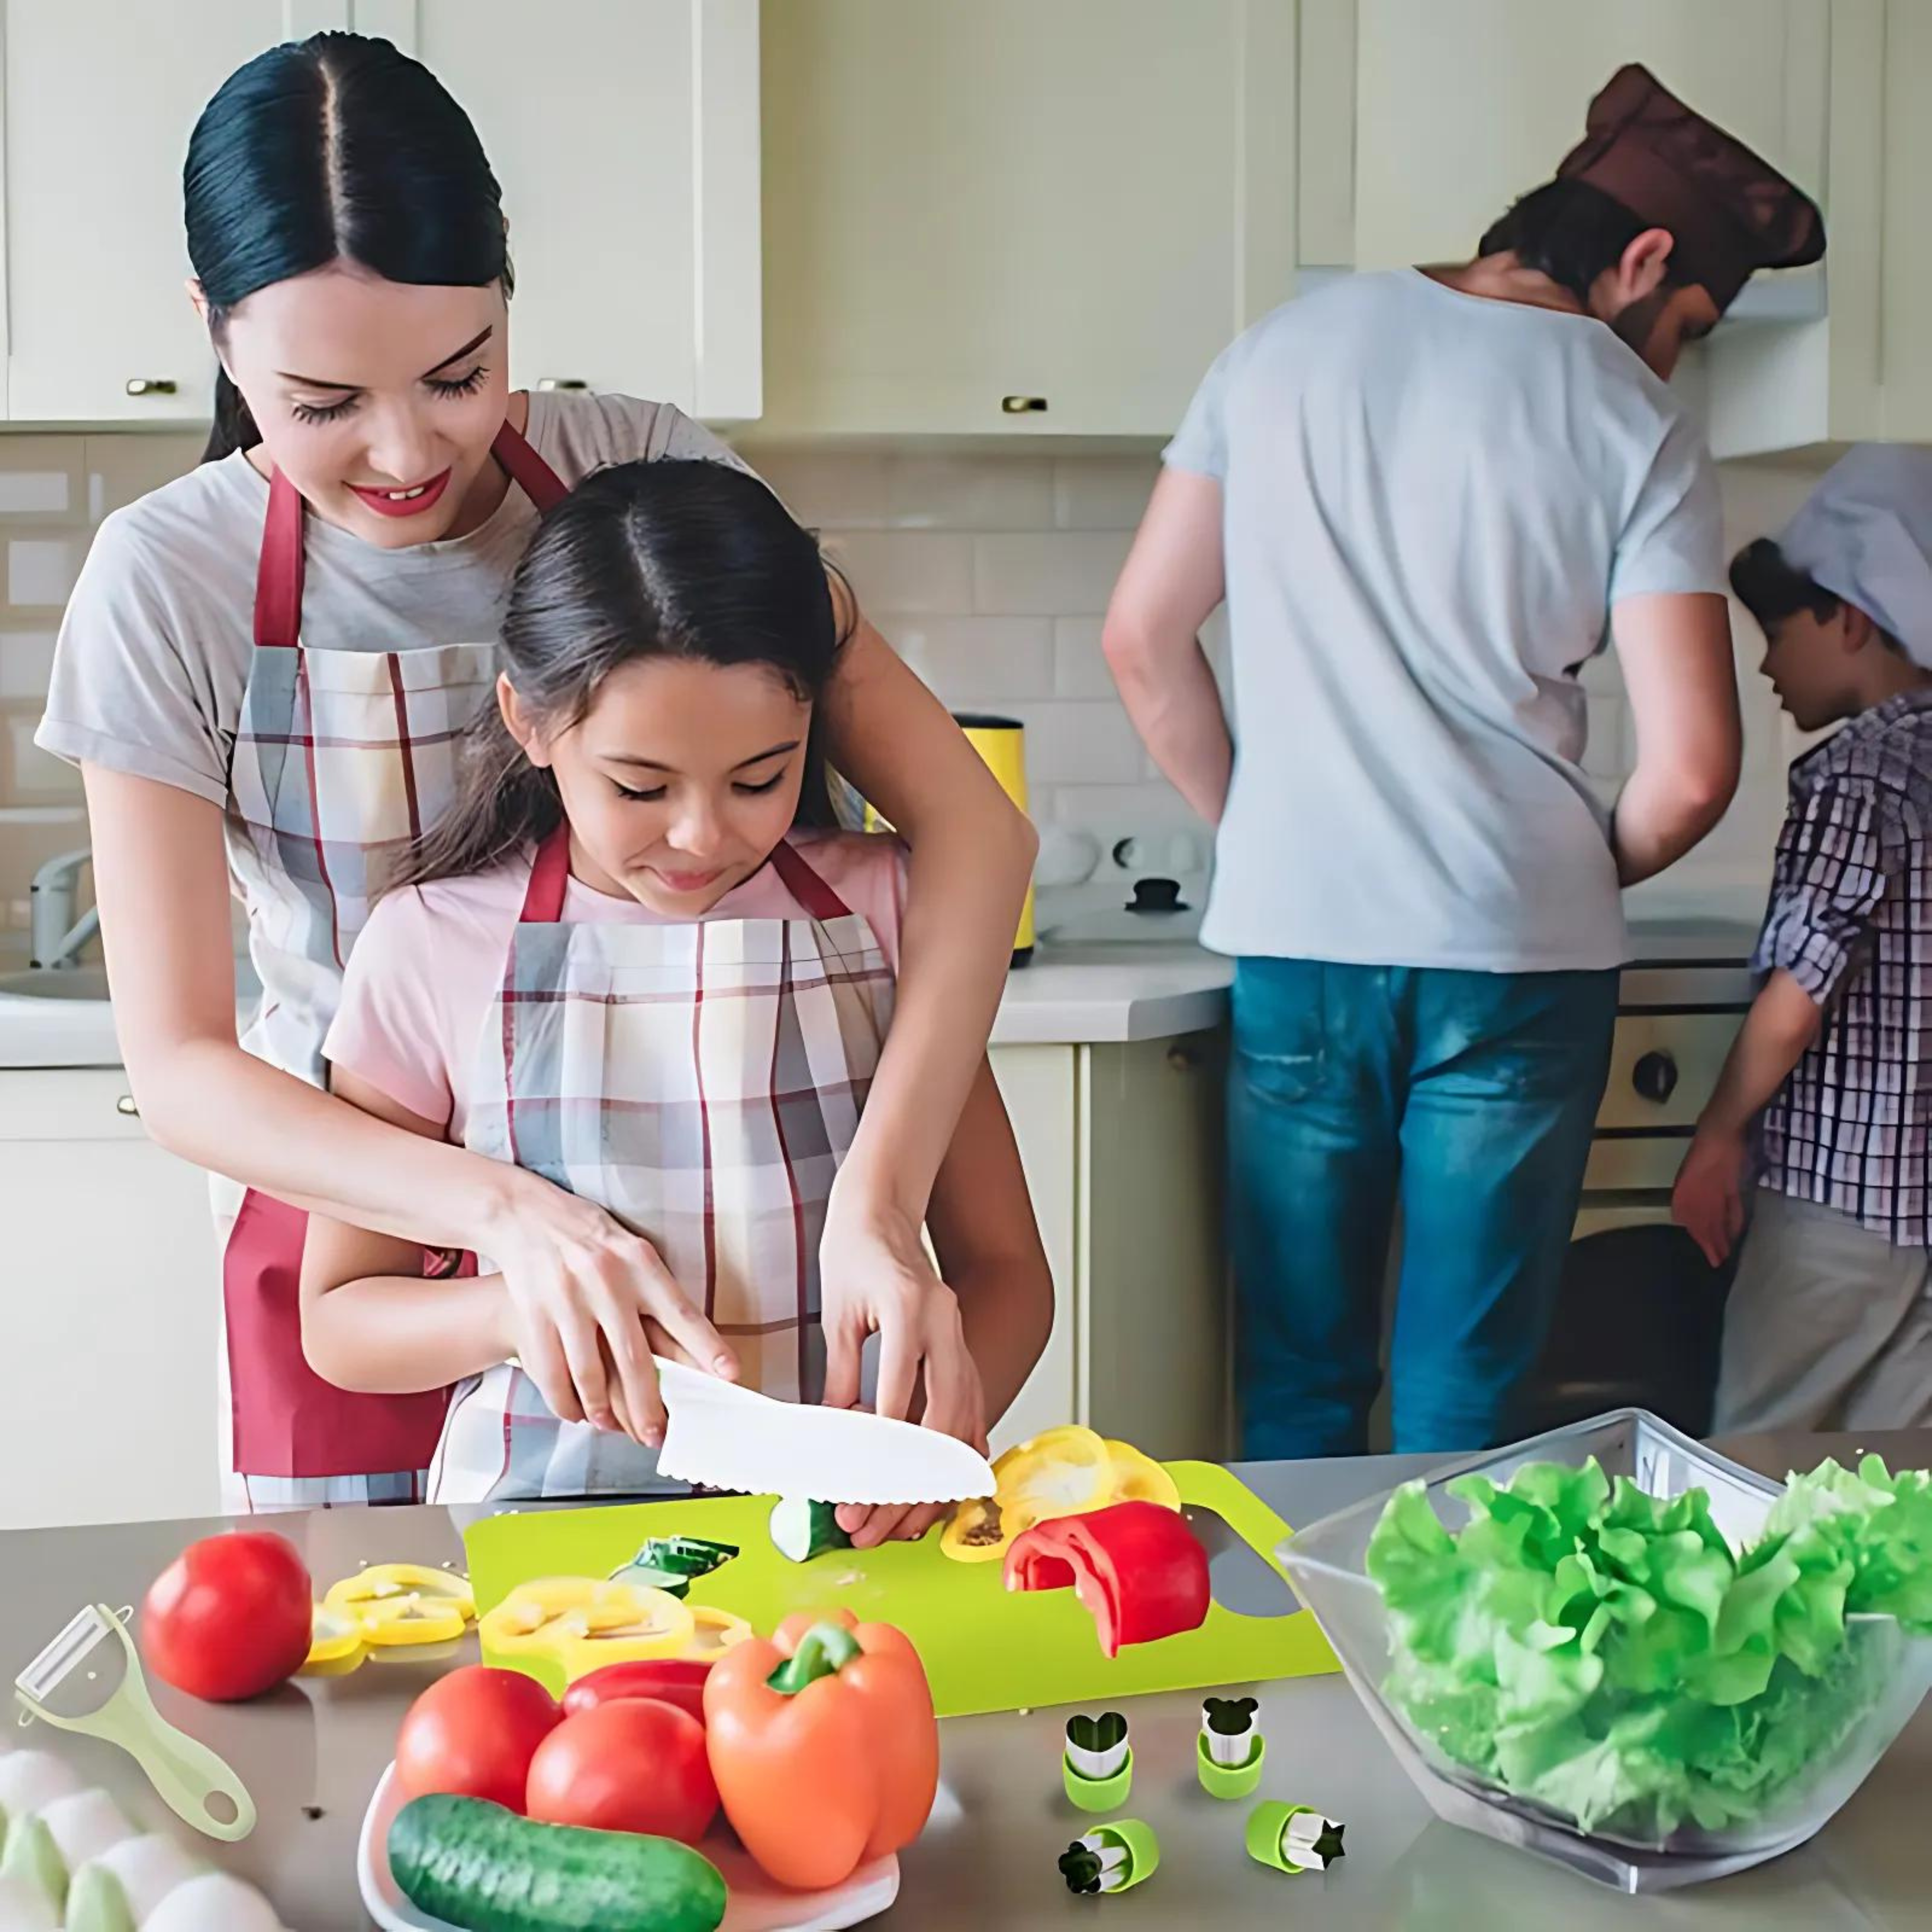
587,1297
1709,1199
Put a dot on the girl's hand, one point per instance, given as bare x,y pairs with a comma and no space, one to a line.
963,1416
1709,1199
585,1293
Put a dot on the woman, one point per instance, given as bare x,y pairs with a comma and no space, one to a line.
279,650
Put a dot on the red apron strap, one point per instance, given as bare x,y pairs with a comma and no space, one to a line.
278,577
528,470
550,877
806,886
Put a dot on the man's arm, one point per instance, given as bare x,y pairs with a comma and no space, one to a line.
1675,651
1169,587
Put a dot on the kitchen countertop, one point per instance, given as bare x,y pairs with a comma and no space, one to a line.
988,1857
1066,995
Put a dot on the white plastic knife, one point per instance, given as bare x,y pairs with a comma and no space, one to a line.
721,1436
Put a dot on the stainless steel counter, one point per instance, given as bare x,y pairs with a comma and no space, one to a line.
987,1859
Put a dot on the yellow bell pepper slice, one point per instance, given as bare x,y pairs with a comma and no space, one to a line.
335,1644
572,1618
1065,1471
715,1631
1139,1478
396,1605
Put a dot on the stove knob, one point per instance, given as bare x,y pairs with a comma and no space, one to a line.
1655,1077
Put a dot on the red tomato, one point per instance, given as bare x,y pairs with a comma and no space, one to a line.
229,1617
473,1733
671,1680
633,1764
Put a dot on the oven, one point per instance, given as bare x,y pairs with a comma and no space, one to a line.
1641,1311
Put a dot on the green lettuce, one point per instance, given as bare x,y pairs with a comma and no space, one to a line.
1604,1652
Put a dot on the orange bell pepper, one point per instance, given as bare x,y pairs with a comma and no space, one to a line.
824,1746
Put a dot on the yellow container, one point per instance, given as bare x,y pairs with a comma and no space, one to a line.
1001,743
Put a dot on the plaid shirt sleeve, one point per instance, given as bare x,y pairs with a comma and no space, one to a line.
1838,851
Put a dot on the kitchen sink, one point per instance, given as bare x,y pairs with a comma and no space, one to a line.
71,983
63,1016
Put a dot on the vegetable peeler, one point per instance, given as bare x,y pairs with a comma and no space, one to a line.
198,1786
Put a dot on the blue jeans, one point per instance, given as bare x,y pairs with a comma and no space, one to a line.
1469,1097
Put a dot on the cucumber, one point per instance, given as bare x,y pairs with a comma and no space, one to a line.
801,1530
673,1563
487,1869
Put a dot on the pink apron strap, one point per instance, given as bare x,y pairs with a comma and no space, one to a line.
549,877
278,578
806,886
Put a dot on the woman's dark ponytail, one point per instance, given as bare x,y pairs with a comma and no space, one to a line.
696,560
338,148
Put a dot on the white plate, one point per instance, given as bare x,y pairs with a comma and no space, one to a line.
755,1903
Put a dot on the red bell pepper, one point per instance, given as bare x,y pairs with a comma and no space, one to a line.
671,1680
1136,1567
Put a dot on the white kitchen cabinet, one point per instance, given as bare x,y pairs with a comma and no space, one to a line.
1436,113
1019,216
99,99
624,132
1463,105
1122,1145
108,1314
625,135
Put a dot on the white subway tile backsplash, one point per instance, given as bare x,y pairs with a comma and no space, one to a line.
1107,807
40,570
37,775
869,491
120,468
40,476
1047,573
991,492
26,663
914,571
1069,744
1079,669
1607,753
1102,493
963,658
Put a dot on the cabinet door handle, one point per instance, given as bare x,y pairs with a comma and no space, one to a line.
1183,1059
1023,406
562,382
1655,1077
125,1106
150,386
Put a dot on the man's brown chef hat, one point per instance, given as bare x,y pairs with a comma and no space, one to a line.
1731,212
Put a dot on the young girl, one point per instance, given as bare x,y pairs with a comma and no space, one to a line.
638,958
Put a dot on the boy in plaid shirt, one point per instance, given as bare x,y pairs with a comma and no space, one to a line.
1829,1323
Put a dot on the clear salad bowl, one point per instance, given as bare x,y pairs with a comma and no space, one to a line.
1889,1671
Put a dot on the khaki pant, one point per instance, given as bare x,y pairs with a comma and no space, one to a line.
1829,1326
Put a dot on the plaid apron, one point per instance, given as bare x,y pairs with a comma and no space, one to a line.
340,757
703,1081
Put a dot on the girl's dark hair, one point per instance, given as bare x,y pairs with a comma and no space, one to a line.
696,560
1567,230
338,148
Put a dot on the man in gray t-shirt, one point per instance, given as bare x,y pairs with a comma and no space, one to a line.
1425,495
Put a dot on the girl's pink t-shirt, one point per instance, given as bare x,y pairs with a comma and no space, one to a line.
429,963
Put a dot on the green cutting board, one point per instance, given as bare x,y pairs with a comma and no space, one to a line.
984,1648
